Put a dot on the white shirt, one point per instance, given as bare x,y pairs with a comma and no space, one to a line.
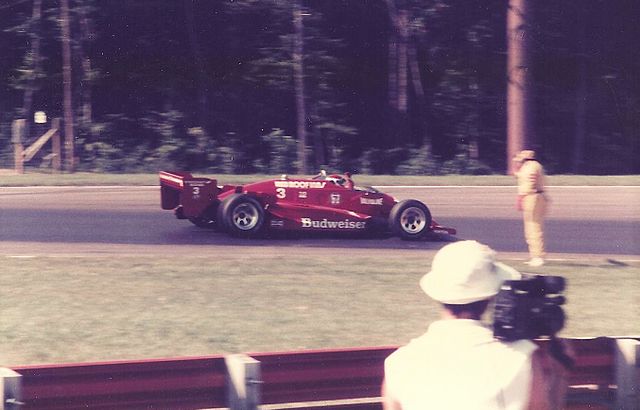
457,364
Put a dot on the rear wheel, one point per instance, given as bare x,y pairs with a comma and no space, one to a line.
410,219
241,215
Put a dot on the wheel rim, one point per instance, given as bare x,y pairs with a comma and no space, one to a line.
413,220
245,216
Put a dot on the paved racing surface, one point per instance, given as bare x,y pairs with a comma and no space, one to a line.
118,220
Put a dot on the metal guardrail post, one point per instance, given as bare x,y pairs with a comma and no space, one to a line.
10,391
244,382
627,373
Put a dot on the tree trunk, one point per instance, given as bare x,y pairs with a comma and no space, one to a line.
392,58
398,66
416,77
403,31
86,77
418,89
392,63
66,85
27,105
581,96
318,137
519,121
298,79
196,51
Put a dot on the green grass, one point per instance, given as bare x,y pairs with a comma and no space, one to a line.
37,177
61,309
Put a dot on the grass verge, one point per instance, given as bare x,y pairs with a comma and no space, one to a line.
58,309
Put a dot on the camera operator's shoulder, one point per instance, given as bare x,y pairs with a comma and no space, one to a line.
402,355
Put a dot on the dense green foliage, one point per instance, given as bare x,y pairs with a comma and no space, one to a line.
208,85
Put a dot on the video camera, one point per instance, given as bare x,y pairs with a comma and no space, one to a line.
529,308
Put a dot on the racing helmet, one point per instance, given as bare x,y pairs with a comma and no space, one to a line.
337,179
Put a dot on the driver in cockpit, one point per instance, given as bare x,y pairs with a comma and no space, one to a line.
341,180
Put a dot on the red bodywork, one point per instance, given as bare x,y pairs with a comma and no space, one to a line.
289,204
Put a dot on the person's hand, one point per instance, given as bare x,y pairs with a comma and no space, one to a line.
519,202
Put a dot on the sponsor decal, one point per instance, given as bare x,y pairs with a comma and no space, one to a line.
302,194
198,183
195,189
300,184
277,223
335,199
370,201
327,224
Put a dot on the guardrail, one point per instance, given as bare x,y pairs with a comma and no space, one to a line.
605,377
159,384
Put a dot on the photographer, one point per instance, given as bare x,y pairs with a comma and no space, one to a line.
457,363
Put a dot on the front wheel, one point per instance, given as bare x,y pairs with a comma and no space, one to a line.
410,219
241,215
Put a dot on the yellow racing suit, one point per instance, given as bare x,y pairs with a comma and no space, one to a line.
533,202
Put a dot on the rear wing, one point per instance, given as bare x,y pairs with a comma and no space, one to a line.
174,179
193,194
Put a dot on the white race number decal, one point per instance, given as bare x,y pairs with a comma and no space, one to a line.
281,193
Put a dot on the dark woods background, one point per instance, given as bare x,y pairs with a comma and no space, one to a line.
390,86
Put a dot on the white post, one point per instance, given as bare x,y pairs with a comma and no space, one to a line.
243,382
10,393
627,374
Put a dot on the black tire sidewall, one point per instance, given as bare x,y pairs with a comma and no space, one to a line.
396,212
225,214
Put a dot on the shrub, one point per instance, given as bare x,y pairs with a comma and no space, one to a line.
278,153
420,162
462,164
380,161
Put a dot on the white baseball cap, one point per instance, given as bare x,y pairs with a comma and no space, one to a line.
465,272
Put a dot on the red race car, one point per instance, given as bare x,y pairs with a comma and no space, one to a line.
324,203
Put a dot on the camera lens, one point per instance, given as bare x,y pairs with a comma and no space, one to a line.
556,300
553,319
553,284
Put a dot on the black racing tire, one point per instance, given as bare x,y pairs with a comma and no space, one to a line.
207,220
410,220
204,223
241,215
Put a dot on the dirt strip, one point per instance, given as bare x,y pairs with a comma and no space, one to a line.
34,249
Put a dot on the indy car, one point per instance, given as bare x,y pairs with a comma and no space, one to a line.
323,203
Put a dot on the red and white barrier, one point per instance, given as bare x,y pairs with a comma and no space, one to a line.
606,375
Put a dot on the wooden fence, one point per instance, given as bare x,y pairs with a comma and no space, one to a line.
23,155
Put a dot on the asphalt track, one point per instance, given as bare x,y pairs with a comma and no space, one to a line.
582,222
